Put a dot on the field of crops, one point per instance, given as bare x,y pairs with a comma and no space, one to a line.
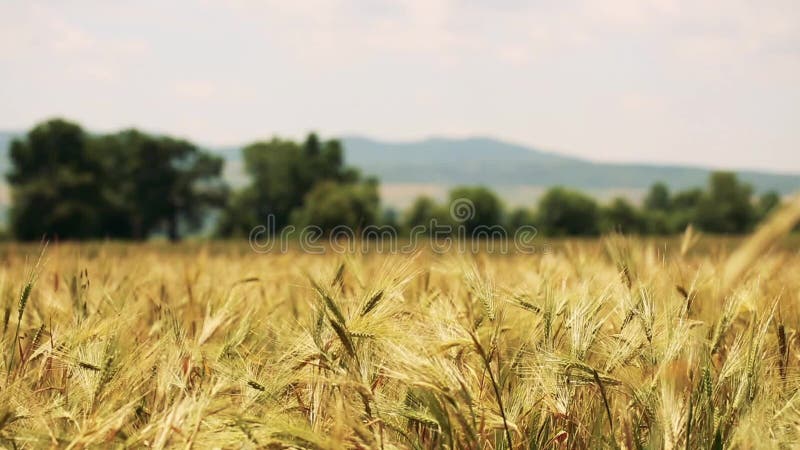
614,343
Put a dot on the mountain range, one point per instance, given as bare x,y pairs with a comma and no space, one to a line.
519,173
497,163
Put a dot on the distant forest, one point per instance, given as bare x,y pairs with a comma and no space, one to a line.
69,184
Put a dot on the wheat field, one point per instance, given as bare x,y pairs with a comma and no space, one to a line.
614,343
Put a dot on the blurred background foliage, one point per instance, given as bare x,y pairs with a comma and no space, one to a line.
70,184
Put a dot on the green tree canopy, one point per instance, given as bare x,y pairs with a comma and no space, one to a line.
53,180
683,210
282,174
657,198
621,216
520,217
687,200
421,212
566,212
483,208
161,183
766,203
331,204
726,206
73,185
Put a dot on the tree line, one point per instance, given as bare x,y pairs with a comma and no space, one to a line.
724,206
70,184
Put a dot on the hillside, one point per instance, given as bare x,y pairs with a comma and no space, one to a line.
500,164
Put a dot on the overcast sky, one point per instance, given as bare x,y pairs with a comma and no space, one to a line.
715,82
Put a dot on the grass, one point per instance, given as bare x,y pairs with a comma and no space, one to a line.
616,343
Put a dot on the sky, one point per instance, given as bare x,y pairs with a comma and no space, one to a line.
713,83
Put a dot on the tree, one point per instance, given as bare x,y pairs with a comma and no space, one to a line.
161,183
684,206
472,207
421,212
657,198
198,186
658,222
76,186
766,203
282,173
621,216
53,180
520,217
566,212
331,204
726,207
687,200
